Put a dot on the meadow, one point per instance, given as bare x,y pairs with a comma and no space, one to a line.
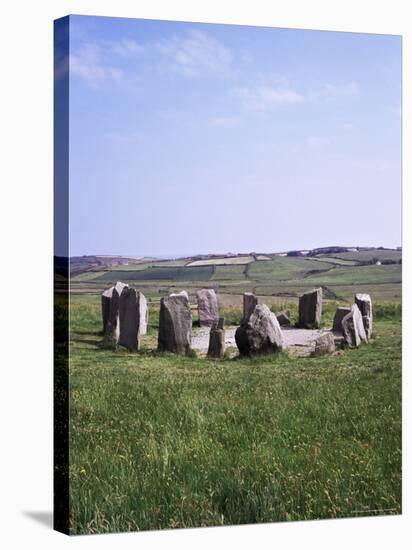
160,441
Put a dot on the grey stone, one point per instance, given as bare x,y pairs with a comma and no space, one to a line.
250,301
129,319
324,344
364,303
175,324
340,313
352,327
207,307
259,333
106,297
143,314
216,342
112,329
221,322
310,308
283,318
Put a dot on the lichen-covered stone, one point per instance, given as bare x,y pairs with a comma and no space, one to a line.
259,333
175,324
250,301
143,314
340,313
207,307
112,330
324,344
129,318
216,348
364,303
352,327
310,308
106,297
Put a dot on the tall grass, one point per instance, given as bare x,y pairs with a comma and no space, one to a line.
161,441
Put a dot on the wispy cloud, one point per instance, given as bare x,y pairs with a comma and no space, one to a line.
263,98
327,90
88,65
127,48
196,54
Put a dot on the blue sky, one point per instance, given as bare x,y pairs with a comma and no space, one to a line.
193,138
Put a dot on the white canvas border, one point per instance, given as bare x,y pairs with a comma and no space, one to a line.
26,227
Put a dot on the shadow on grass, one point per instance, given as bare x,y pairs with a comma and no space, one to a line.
95,343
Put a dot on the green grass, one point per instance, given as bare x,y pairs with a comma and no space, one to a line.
367,255
166,273
357,275
283,268
229,272
160,441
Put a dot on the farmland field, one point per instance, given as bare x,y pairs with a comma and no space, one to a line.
340,275
160,441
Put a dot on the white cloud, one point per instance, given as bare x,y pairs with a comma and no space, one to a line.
315,142
127,48
262,98
87,64
197,54
346,89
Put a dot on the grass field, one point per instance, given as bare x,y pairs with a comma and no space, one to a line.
160,441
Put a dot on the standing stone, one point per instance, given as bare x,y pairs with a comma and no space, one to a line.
364,303
106,297
250,301
112,330
181,293
175,324
207,306
143,314
352,327
310,308
129,319
324,344
340,313
259,333
284,318
217,340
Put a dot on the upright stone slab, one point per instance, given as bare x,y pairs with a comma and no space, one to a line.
364,303
250,301
310,308
143,314
129,319
340,313
112,330
284,318
207,307
352,327
175,324
217,340
106,297
259,333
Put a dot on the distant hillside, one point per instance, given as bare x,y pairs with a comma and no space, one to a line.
80,264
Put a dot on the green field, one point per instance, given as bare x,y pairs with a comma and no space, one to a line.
160,441
340,276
